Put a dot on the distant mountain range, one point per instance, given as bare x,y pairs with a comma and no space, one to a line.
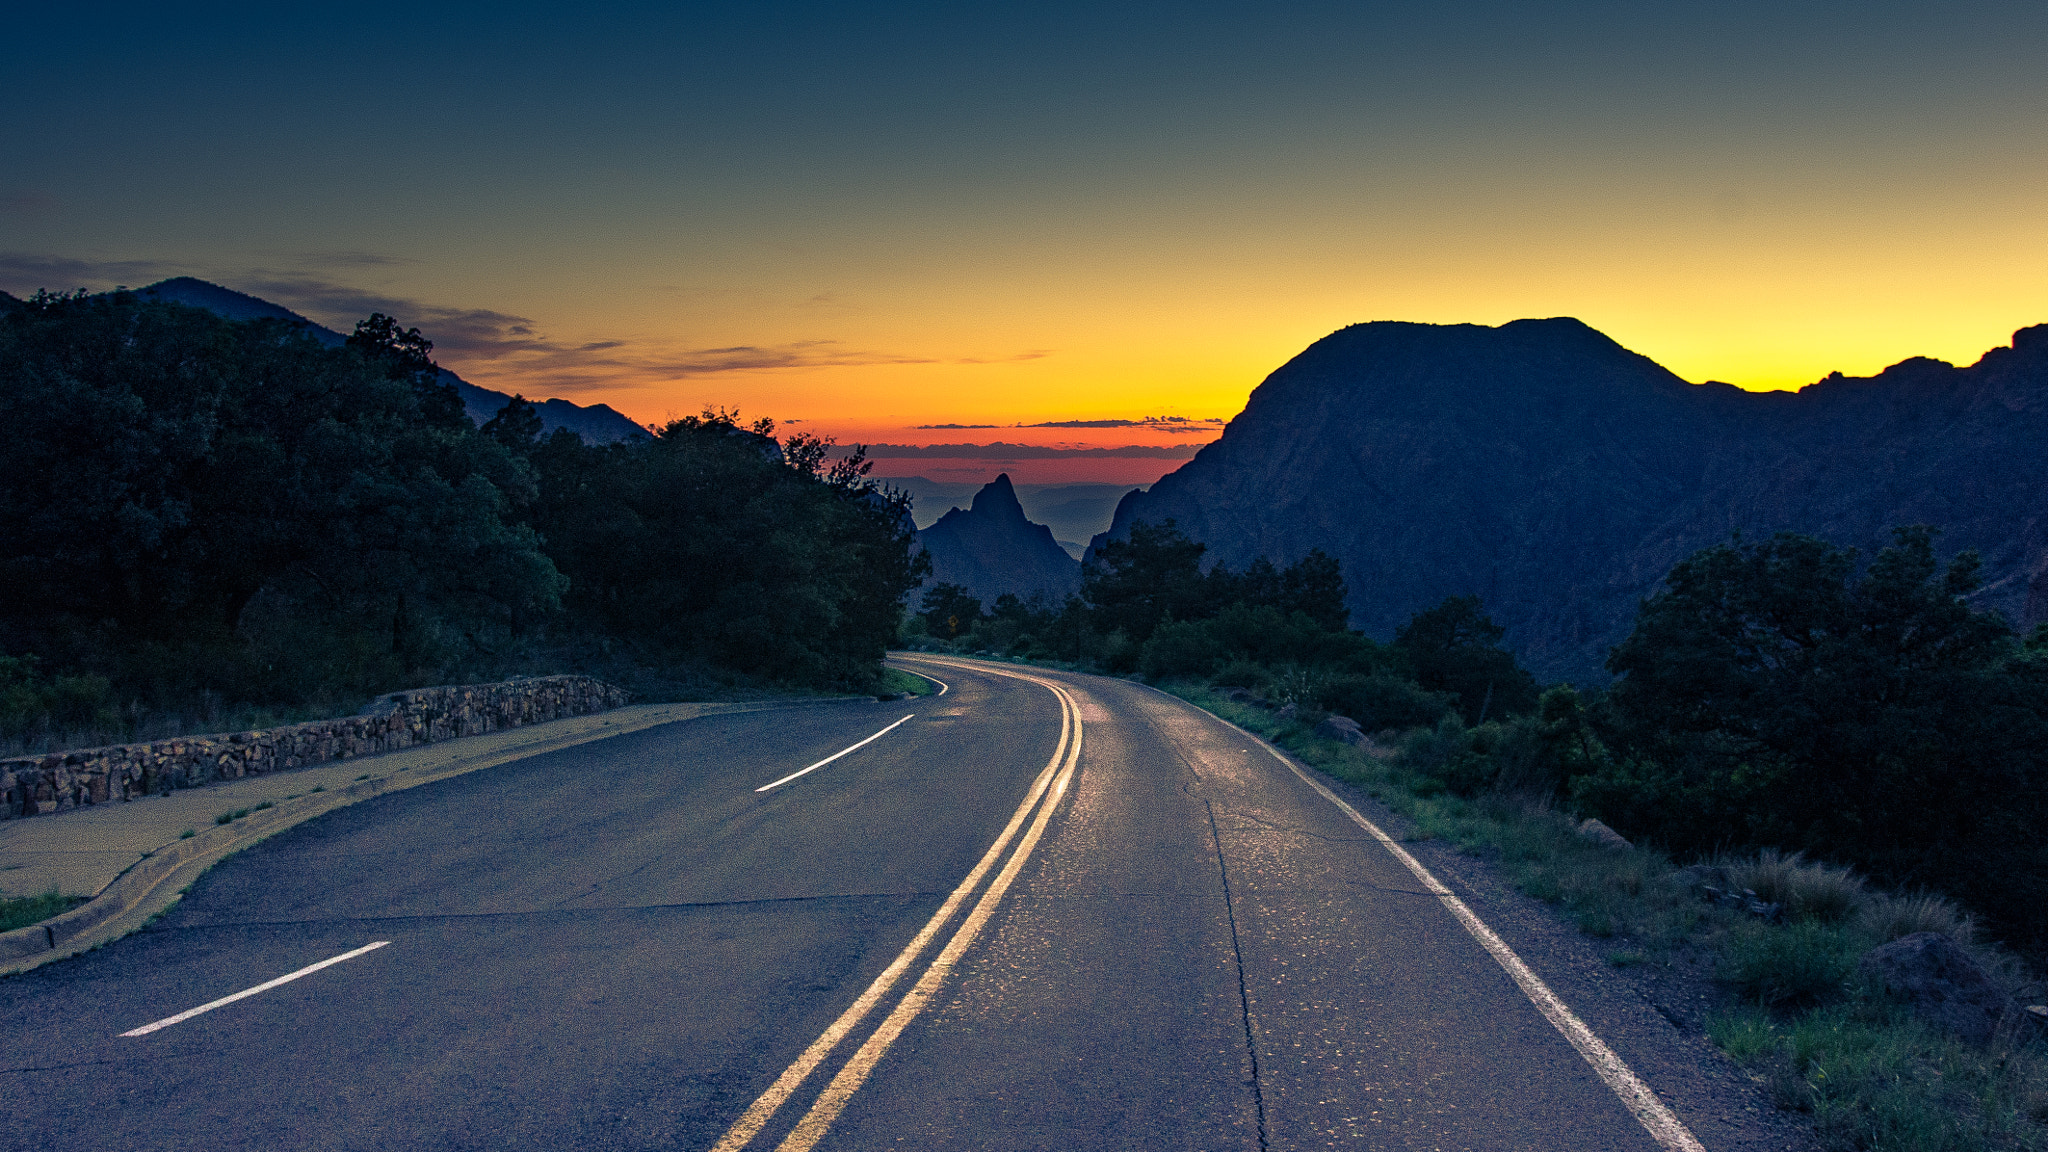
1074,512
597,424
1560,476
991,548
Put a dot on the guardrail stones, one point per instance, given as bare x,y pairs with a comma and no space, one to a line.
62,781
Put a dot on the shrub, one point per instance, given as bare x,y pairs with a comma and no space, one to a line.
1118,652
1470,761
1245,674
1514,753
1443,757
1385,701
1180,648
1797,964
29,700
1300,686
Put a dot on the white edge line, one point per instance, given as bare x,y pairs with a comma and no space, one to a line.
308,970
1662,1124
1641,1101
835,755
763,1109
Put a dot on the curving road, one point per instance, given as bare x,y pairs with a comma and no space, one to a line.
1043,911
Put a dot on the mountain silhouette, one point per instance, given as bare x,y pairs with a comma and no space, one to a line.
1559,476
991,548
597,424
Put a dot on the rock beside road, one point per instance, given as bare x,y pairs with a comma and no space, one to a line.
1342,729
1942,983
1602,835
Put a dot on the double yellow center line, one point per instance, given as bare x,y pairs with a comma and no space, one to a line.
1049,787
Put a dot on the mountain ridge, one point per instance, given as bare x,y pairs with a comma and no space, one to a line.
597,423
1559,476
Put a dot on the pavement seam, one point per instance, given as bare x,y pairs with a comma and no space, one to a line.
73,1064
597,886
1244,997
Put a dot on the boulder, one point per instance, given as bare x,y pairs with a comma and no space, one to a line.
1287,712
1602,835
1342,729
1944,986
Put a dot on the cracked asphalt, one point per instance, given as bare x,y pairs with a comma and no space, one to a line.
622,944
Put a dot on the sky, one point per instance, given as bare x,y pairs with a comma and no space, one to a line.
1063,226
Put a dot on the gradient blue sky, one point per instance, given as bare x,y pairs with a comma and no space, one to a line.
879,217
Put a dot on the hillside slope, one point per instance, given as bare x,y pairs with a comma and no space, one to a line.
597,424
1559,476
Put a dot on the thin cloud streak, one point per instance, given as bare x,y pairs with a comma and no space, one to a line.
510,348
26,272
1002,451
513,346
355,260
1173,425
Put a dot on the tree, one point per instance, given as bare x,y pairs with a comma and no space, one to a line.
1313,586
1772,694
1455,648
949,611
174,466
713,542
1153,575
517,425
404,354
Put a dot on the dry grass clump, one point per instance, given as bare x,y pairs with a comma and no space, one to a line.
1807,890
1889,917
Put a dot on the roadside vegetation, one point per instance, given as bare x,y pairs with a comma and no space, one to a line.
1812,757
896,682
212,524
22,911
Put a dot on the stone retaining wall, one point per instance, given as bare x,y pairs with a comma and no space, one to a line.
61,781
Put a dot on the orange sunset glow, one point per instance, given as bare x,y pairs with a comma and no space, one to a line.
1134,221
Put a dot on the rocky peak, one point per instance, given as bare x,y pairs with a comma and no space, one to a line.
992,548
998,499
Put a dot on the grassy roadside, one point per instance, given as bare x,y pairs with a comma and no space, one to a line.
22,911
1793,1013
897,682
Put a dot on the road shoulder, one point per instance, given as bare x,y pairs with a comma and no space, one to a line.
1655,1024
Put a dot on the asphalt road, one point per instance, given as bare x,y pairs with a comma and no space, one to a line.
624,944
